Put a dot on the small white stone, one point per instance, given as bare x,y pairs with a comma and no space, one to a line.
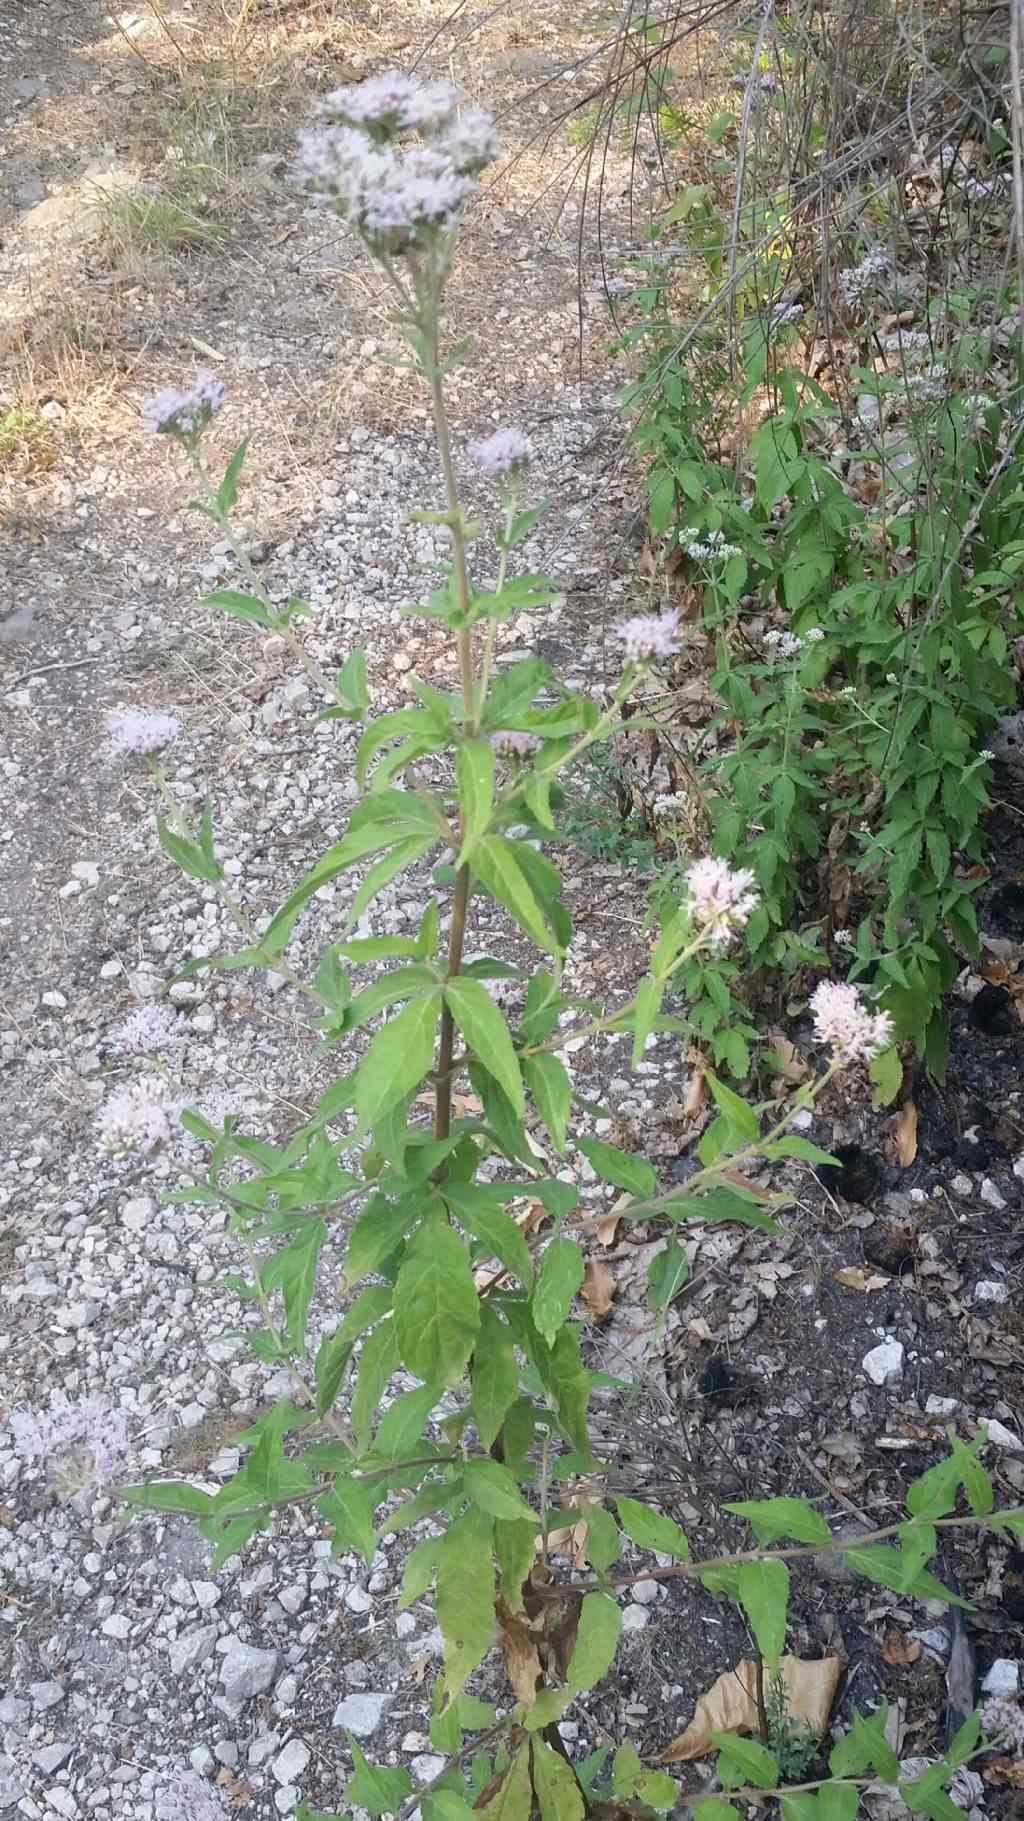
427,1766
110,970
990,1290
646,1592
990,1194
362,1713
291,1762
1003,1437
941,1406
117,1626
635,1618
884,1364
56,1000
1003,1678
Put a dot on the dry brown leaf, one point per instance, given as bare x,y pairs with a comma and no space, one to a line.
1005,1773
743,1182
792,1066
531,1217
696,1091
730,1705
898,1649
519,1649
904,1134
853,1277
598,1289
239,1794
465,1106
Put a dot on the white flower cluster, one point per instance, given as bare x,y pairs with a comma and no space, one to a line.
787,644
502,453
133,730
858,281
92,1429
651,635
844,1023
719,899
979,189
912,344
147,1029
668,806
398,198
929,385
177,411
710,547
141,1117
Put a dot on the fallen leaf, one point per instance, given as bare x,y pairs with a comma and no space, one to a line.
696,1092
898,1649
730,1705
1005,1772
465,1106
904,1134
531,1217
239,1794
792,1066
598,1289
853,1277
519,1649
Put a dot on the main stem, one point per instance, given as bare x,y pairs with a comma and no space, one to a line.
429,297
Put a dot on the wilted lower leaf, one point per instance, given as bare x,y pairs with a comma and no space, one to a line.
519,1649
730,1705
598,1289
853,1277
904,1134
898,1649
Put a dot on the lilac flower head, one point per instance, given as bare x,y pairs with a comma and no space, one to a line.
783,644
392,103
1003,1718
651,635
184,412
504,452
396,200
82,1443
140,1117
146,1030
471,142
186,1796
720,899
131,730
843,1021
512,745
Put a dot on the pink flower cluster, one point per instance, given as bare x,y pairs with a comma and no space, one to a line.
501,453
184,412
132,730
397,198
146,1030
651,635
846,1025
512,745
140,1117
720,899
93,1428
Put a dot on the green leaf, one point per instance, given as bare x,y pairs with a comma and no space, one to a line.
167,1495
866,1747
474,776
376,1233
558,1793
233,1535
886,1071
745,1761
667,1273
566,1380
192,859
764,1596
740,1117
494,1377
437,1312
712,1808
401,1054
483,1026
482,1216
651,1529
604,1545
771,1519
351,687
380,1789
293,1272
404,854
491,1486
419,1568
622,1168
548,1708
448,1805
838,1802
548,1081
465,1596
227,492
349,1506
240,606
514,1800
378,1361
402,1424
596,1640
515,1546
648,1008
559,1278
497,866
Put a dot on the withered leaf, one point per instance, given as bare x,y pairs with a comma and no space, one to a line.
898,1649
598,1289
730,1704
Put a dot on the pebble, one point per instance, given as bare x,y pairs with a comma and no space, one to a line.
990,1290
291,1762
646,1592
884,1364
940,1406
246,1672
990,1194
362,1714
117,1626
51,1757
1002,1437
1003,1678
46,1695
427,1766
635,1618
194,1647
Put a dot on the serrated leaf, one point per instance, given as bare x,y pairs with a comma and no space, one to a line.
419,1568
465,1596
402,1424
764,1596
474,777
865,1747
745,1761
292,1271
515,1546
167,1495
513,1801
558,1280
380,1789
240,606
401,1054
494,1375
187,855
349,1506
492,1487
437,1311
548,1081
651,1529
712,1808
487,1221
496,864
558,1793
379,1359
597,1639
622,1168
486,1033
771,1519
234,1534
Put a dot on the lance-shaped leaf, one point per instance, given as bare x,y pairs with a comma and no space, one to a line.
465,1596
401,1054
437,1311
483,1026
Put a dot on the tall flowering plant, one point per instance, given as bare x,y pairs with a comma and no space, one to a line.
457,1383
